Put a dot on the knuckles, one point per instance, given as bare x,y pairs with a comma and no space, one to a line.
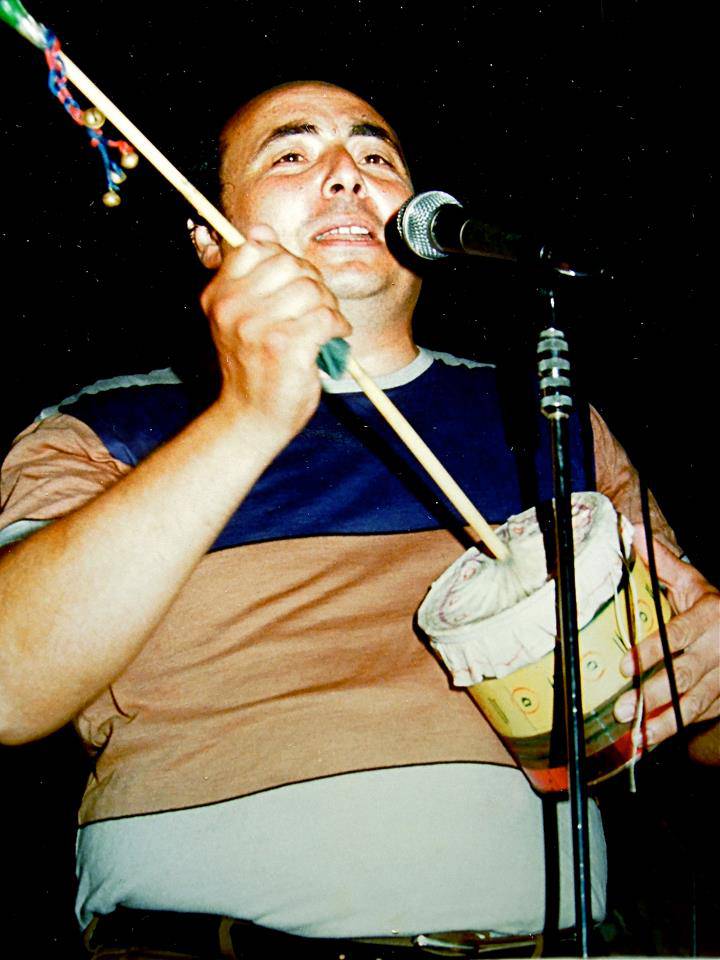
701,618
307,287
227,300
684,676
221,308
275,341
266,305
692,706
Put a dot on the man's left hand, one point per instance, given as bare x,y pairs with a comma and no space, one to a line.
694,639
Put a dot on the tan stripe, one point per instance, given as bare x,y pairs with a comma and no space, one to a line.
283,662
54,467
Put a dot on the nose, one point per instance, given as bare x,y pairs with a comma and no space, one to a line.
343,175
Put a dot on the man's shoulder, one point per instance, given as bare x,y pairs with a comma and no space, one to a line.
132,413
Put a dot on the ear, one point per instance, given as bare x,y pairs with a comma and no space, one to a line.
206,243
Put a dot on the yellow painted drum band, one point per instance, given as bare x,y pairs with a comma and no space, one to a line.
521,704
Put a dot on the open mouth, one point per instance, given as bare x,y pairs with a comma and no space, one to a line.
352,233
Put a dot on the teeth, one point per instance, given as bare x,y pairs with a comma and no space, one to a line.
344,232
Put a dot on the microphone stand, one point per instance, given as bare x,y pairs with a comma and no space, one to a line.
555,405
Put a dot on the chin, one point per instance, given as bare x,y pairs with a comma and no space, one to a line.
356,288
351,284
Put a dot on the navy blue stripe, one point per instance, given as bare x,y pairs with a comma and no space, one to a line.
347,473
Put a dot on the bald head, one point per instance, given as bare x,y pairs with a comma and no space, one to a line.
237,135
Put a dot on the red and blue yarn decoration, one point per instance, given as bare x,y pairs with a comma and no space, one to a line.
91,120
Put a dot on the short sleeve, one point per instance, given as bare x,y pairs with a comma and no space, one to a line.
53,467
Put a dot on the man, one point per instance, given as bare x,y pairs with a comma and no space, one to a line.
223,601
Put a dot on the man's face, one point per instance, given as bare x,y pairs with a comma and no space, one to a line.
322,168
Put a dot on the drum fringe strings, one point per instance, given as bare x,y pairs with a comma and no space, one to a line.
637,728
629,636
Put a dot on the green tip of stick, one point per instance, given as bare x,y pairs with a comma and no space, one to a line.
333,357
15,14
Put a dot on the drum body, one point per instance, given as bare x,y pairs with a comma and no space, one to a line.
521,705
493,624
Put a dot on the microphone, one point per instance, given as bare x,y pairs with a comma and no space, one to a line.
434,225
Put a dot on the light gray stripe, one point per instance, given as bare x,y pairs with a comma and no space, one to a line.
453,361
398,378
165,375
406,850
20,530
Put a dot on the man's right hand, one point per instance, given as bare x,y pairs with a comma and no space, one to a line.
270,312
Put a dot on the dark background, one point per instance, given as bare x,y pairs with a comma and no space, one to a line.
582,120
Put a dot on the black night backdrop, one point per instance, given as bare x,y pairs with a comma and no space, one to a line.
584,120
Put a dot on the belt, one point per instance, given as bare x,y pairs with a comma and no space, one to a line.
210,937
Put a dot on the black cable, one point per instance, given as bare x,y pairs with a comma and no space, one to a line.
674,695
662,629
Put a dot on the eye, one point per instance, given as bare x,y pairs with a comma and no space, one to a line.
288,158
377,159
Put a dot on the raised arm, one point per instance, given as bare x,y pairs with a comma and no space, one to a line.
80,597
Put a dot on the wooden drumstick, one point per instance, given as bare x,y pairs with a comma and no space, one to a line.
417,446
232,235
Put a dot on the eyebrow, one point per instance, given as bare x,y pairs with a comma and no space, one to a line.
287,130
373,130
295,128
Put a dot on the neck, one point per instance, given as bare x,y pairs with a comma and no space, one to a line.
378,354
382,339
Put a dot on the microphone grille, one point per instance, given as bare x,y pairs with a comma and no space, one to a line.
414,221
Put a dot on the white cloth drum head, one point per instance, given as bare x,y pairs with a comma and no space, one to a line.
486,617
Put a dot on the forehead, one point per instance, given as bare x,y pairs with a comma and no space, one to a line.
332,110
